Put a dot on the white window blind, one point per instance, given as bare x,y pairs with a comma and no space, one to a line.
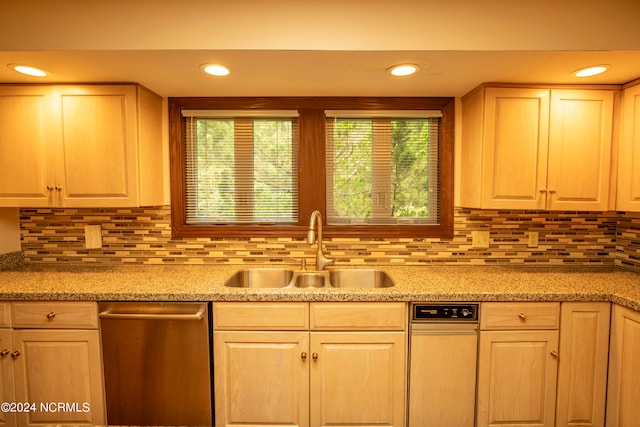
241,167
382,167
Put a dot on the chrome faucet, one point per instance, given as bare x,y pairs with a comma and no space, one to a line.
321,260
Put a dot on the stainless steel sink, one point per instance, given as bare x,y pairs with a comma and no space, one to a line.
339,278
260,278
310,280
360,278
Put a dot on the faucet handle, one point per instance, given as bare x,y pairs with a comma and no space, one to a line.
303,263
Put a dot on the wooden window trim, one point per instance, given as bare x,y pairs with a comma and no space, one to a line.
311,178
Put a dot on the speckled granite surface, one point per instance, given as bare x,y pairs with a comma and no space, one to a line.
204,283
11,260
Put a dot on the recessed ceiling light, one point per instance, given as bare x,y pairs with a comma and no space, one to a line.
28,70
403,69
591,71
216,69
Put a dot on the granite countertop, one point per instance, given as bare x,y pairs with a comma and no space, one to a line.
413,283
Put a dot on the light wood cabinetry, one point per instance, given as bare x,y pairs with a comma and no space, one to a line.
261,378
582,367
6,365
311,364
623,399
628,190
517,366
57,370
520,145
80,146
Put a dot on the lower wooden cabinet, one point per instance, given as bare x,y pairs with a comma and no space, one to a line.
623,398
516,378
52,375
6,377
357,379
582,369
317,375
517,364
543,364
60,372
261,377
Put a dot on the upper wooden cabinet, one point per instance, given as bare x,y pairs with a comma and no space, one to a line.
80,146
536,148
628,192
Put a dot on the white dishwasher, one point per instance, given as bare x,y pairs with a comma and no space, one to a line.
442,365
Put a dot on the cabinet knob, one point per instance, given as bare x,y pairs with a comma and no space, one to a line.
543,190
552,190
554,353
314,356
15,354
522,316
49,187
51,315
303,356
4,352
58,187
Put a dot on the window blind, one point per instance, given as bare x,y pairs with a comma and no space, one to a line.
241,167
382,168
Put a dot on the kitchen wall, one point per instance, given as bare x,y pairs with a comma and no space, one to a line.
143,236
9,230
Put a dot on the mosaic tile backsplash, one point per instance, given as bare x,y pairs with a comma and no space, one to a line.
143,236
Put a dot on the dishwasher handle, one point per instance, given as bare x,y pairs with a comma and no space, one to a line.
462,328
133,315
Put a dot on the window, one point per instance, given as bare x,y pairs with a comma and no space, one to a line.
375,167
239,169
382,167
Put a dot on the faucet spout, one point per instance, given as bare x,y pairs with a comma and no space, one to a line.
321,260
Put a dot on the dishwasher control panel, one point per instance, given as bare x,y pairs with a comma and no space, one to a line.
435,312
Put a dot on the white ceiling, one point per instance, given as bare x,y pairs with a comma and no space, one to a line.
319,48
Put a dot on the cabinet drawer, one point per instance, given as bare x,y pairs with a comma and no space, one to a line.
358,316
519,315
5,314
260,316
55,315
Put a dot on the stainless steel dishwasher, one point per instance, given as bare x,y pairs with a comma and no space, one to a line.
442,366
157,363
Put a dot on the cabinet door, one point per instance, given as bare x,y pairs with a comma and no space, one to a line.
623,399
6,376
517,378
261,378
27,144
629,152
98,148
580,134
582,367
62,370
358,379
515,156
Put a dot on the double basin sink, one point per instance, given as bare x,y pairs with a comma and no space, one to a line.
285,278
